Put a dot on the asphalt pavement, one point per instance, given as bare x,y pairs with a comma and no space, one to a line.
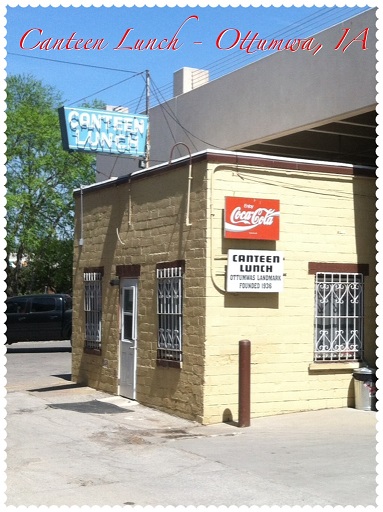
71,445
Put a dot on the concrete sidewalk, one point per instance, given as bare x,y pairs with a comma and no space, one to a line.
70,445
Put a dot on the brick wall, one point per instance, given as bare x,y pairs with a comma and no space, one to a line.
324,218
150,215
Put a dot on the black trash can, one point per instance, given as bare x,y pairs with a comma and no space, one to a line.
365,389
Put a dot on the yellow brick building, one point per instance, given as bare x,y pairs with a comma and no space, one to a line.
154,320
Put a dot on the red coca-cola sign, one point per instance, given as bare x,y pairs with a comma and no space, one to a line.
254,219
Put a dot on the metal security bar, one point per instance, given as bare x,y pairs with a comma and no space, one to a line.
339,317
93,308
169,310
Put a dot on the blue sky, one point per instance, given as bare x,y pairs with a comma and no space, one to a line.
117,76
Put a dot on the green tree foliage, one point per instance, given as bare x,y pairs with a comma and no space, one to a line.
41,177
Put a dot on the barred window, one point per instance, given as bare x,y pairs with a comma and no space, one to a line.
169,310
92,308
339,317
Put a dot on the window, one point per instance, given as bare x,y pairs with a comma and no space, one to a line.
339,317
169,310
128,313
92,308
67,303
42,304
17,305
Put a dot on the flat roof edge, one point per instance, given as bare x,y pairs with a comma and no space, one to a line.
240,158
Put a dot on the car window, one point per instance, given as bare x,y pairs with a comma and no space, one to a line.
67,303
18,305
40,304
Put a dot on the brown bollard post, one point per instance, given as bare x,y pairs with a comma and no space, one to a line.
244,383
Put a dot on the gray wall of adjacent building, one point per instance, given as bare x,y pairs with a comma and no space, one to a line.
278,95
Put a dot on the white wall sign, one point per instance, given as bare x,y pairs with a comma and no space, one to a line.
254,271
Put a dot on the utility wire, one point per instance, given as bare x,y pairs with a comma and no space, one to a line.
105,89
304,24
73,63
142,94
173,116
164,111
308,25
223,65
165,105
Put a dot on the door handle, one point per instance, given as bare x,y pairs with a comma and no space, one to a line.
53,317
22,318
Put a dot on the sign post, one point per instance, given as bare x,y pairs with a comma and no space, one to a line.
244,383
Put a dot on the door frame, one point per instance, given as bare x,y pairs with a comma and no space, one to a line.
128,282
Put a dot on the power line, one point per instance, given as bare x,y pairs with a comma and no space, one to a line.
134,73
224,65
105,89
165,105
72,63
312,23
173,116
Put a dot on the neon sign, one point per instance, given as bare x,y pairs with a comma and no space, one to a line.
102,131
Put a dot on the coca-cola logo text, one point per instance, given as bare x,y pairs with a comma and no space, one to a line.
260,216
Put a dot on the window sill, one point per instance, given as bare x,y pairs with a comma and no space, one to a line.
164,363
93,351
336,365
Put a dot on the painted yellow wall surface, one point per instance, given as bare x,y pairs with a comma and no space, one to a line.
323,218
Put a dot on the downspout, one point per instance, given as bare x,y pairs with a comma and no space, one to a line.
130,204
190,177
81,239
129,212
212,270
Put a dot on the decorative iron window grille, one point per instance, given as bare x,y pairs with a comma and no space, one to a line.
169,310
93,308
338,317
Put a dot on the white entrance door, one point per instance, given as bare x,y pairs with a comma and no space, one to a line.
128,341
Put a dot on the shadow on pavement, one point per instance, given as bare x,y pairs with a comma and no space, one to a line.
91,406
14,349
57,388
64,376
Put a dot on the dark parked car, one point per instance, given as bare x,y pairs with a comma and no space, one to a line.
39,318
